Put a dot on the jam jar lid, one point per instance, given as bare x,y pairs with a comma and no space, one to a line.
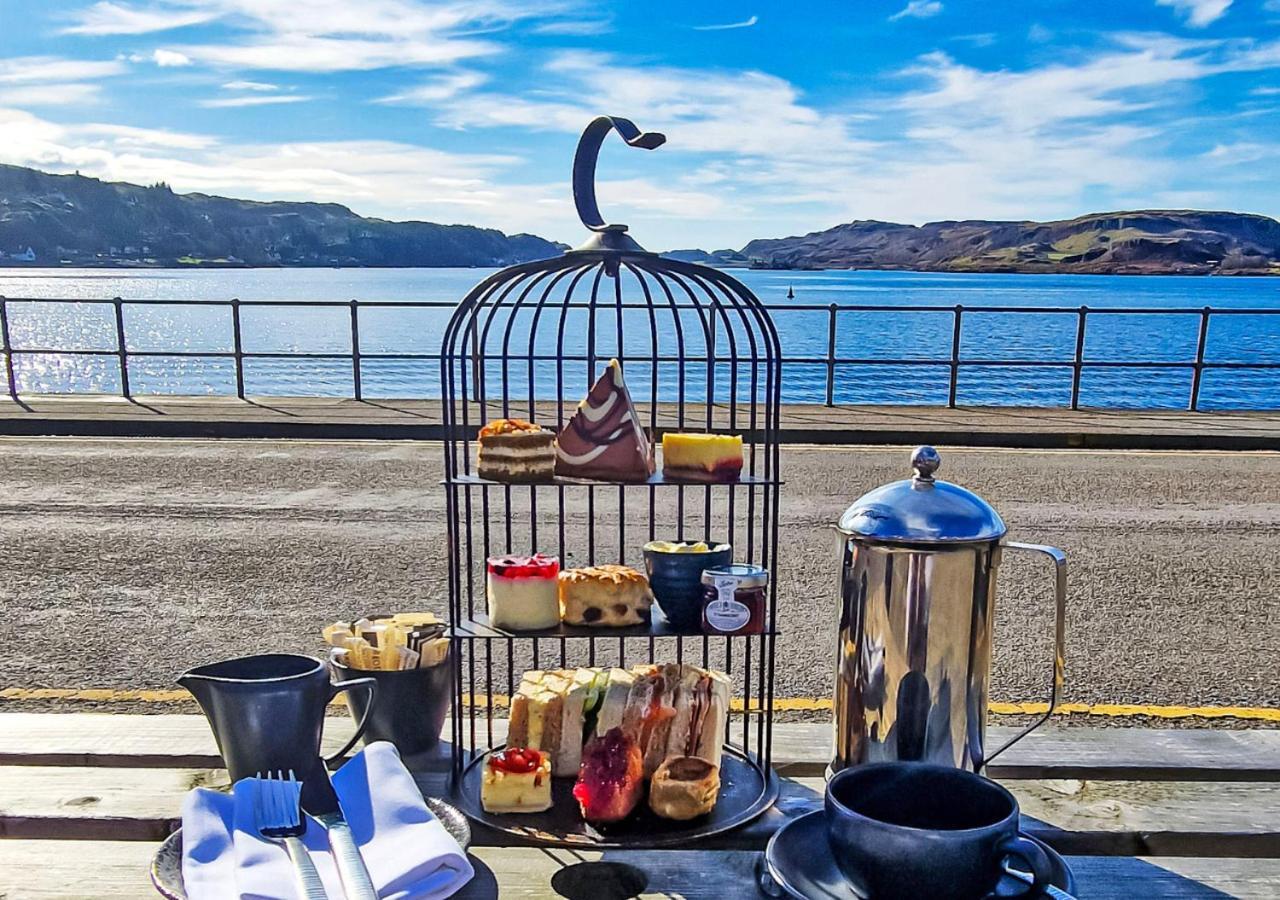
748,575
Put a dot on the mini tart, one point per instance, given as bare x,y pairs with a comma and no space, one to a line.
516,780
684,787
608,596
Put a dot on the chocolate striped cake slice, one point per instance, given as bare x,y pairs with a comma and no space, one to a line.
604,439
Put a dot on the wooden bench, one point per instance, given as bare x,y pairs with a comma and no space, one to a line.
85,798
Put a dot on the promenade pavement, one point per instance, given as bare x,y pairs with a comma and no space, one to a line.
126,560
334,417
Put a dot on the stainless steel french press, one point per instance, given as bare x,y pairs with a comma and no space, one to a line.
918,589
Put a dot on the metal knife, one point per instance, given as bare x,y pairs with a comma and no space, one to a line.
325,809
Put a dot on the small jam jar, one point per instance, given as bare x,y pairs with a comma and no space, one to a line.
733,599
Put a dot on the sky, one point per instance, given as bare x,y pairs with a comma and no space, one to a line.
781,118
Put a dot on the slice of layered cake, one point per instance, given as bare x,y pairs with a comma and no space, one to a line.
516,450
604,439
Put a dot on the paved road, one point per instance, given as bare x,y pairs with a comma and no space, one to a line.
124,561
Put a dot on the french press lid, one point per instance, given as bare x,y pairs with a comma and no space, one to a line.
922,510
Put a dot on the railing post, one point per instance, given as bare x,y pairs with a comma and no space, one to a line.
122,350
237,346
955,357
1078,365
8,348
831,354
355,350
1201,339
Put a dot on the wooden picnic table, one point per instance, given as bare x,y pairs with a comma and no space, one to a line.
85,799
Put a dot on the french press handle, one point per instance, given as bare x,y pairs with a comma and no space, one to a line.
1059,639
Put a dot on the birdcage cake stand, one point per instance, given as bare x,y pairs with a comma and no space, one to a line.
699,354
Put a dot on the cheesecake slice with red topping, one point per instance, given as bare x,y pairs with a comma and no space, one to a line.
523,592
516,780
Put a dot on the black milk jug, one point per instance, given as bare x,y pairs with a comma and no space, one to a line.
267,714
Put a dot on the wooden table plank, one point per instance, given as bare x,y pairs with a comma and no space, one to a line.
115,870
1105,817
184,741
88,804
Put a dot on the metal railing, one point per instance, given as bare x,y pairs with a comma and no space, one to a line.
830,361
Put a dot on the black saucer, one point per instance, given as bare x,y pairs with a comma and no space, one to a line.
791,865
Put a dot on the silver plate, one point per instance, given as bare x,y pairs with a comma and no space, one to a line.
166,865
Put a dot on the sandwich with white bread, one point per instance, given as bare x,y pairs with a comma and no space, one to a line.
667,710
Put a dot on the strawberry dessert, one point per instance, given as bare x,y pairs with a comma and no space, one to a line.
523,592
611,780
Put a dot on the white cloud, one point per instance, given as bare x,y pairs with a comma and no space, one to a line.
31,69
314,53
387,178
49,94
1041,142
1265,91
53,81
165,58
435,90
338,35
576,27
251,100
1038,34
745,23
918,9
127,136
162,58
981,39
1240,152
743,113
250,86
1198,13
119,18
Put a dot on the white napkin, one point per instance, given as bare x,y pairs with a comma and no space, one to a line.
409,854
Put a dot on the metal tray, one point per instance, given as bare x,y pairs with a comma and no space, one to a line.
746,791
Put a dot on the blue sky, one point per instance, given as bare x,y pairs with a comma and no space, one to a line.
781,118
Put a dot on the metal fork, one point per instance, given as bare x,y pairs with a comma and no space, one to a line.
278,814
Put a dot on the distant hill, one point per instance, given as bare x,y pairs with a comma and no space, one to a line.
714,258
74,220
1144,242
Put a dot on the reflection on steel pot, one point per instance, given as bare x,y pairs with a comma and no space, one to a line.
917,584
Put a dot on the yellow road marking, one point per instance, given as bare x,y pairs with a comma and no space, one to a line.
781,704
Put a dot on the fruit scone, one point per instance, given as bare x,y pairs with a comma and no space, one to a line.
605,596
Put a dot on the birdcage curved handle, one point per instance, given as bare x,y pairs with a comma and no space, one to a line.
584,164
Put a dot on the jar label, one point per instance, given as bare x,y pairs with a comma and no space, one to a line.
725,613
726,586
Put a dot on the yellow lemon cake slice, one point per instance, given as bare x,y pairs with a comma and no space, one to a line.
702,457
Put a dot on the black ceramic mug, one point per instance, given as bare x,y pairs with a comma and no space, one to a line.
905,830
411,708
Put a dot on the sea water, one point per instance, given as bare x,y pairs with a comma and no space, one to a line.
58,323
